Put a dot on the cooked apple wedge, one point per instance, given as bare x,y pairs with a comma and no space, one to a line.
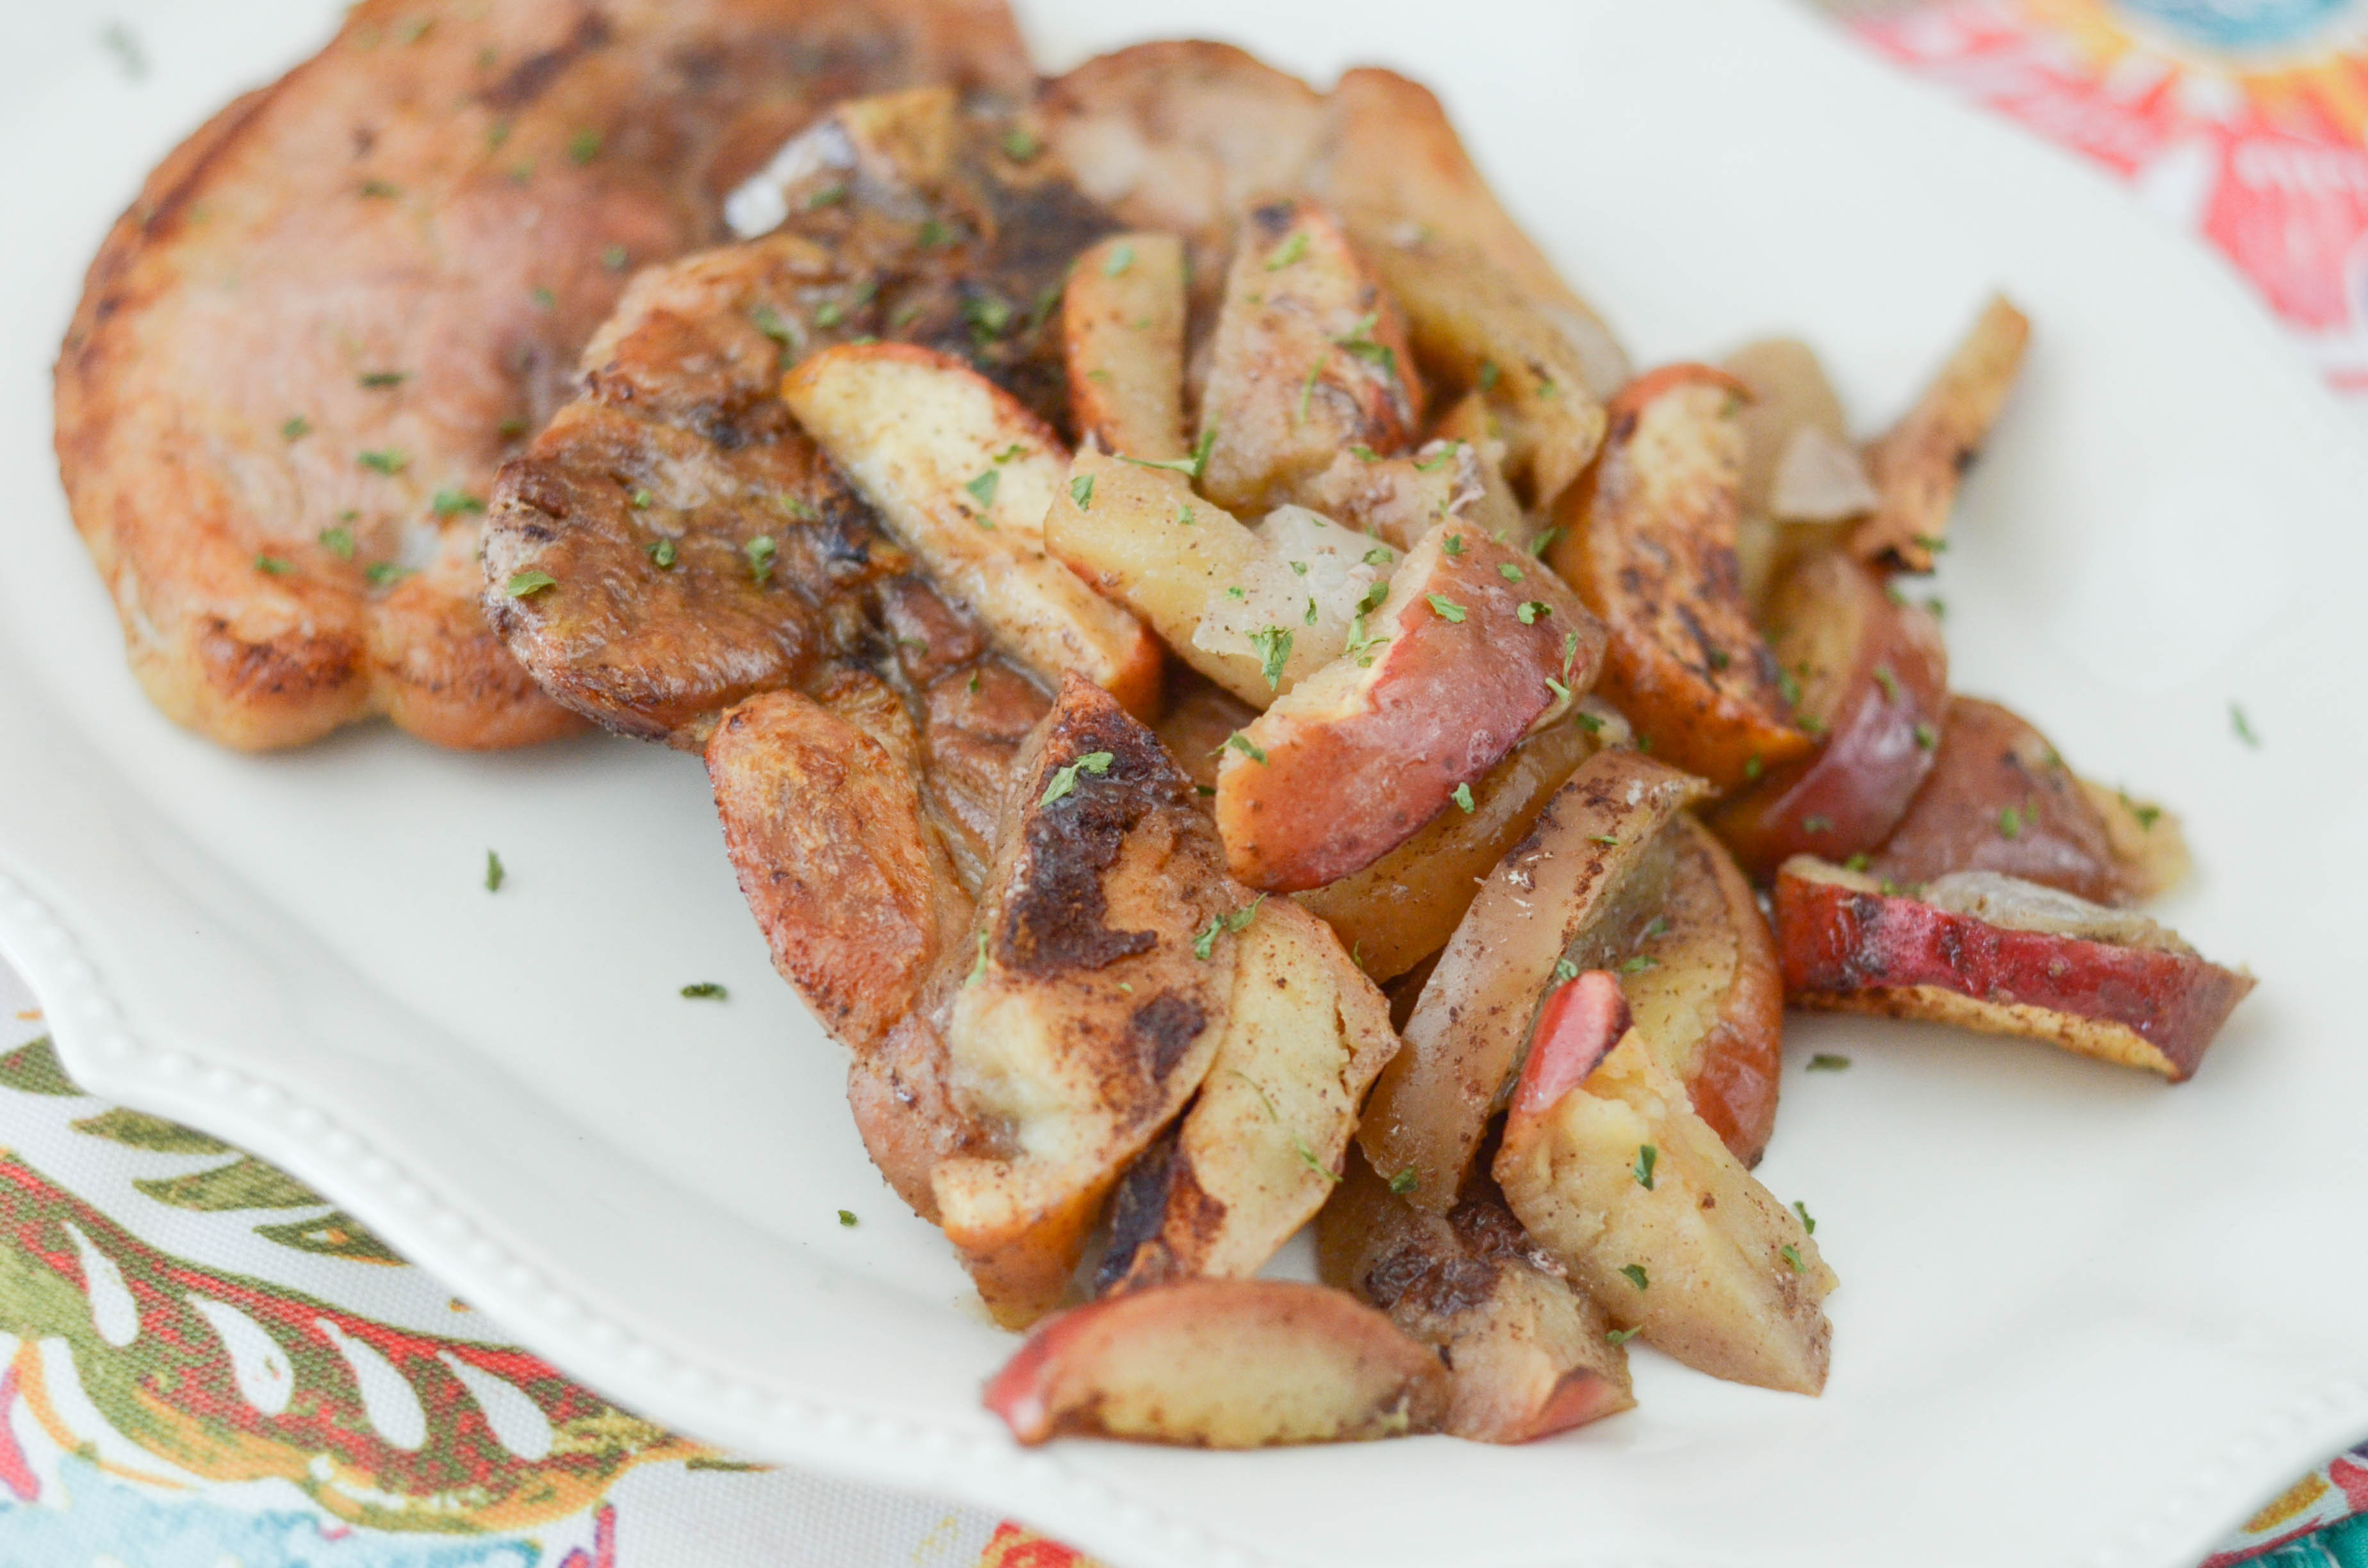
1872,675
1260,1149
1403,907
822,817
1477,330
1648,541
1529,1356
1106,945
1201,716
963,476
1577,893
2002,956
1222,1364
1141,536
1803,480
1915,465
1999,797
1122,330
1468,647
1401,499
1394,167
1704,981
1610,1169
1310,358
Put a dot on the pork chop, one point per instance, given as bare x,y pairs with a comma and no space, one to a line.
332,313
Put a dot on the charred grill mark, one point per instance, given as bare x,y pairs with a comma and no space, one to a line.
1138,1212
1170,1024
1430,1281
1055,919
531,77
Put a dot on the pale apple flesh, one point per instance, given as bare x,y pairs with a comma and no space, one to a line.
1874,676
1477,330
1122,333
1310,358
1222,1364
2001,956
1918,463
1261,1148
1578,889
1648,540
1529,1355
1473,647
1094,1000
1708,992
1607,1165
961,474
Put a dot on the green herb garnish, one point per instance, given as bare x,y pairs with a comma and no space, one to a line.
1064,779
526,585
1646,1157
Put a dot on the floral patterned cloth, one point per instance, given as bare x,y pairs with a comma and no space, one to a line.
202,1362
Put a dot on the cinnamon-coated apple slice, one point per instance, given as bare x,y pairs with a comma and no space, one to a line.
1917,464
2002,956
1222,1364
2000,797
1398,500
1648,541
1403,907
1260,1149
1529,1355
1468,647
1604,1163
962,476
1872,675
1478,330
1123,334
824,821
1703,980
1106,941
1310,358
1577,892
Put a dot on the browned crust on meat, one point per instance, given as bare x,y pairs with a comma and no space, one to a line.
350,221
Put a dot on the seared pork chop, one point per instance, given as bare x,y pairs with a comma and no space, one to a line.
335,309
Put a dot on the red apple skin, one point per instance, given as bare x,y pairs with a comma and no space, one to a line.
1881,741
1577,1027
1354,768
1991,759
1851,950
1386,1384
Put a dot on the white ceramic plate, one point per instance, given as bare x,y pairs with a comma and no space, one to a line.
2085,1319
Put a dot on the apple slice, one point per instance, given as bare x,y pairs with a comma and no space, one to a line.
1703,980
1477,329
1472,646
1392,163
1403,907
1261,1149
963,476
1310,358
1122,330
1999,797
1802,477
847,878
1649,541
1400,499
2002,956
1577,892
1529,1355
1607,1165
1872,675
1221,1364
1915,465
1104,968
